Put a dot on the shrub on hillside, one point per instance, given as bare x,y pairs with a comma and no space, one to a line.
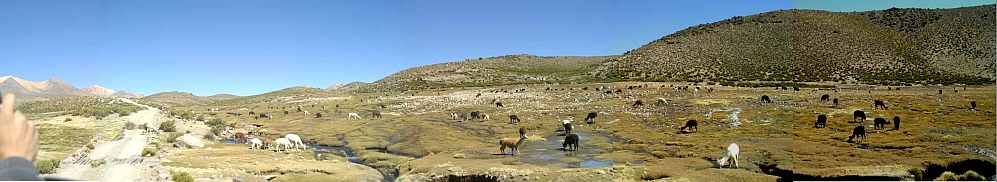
148,152
171,137
168,126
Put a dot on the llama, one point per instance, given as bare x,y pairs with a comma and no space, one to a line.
295,141
570,142
567,126
824,98
821,121
375,114
857,133
513,119
255,143
485,117
879,123
689,126
590,118
637,104
282,143
240,137
896,122
730,155
878,104
766,99
512,143
858,116
353,116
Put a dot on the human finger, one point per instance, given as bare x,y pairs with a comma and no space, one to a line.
8,107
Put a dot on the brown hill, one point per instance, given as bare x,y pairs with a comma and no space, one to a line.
502,70
177,98
893,46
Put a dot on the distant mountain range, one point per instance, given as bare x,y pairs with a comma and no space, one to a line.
52,87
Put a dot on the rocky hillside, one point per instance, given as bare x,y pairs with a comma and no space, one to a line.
177,98
502,70
893,46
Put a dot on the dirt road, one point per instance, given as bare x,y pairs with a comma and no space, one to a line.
121,159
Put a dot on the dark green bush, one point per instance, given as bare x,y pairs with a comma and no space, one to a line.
47,166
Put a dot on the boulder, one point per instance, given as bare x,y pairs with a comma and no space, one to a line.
190,141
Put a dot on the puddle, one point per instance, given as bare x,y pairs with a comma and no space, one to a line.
595,163
732,116
389,174
340,151
735,121
549,152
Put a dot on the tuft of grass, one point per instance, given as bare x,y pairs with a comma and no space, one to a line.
96,163
181,176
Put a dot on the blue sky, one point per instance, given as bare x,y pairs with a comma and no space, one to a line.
251,47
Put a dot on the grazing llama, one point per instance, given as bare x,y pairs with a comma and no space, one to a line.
513,143
730,155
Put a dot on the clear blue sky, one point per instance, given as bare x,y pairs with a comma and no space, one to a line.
251,47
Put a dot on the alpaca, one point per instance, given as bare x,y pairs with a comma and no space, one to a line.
513,119
690,126
766,99
857,133
570,142
730,155
375,114
567,126
637,103
878,104
255,143
896,122
295,141
824,98
821,121
282,143
590,118
857,115
879,123
513,143
353,116
240,137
